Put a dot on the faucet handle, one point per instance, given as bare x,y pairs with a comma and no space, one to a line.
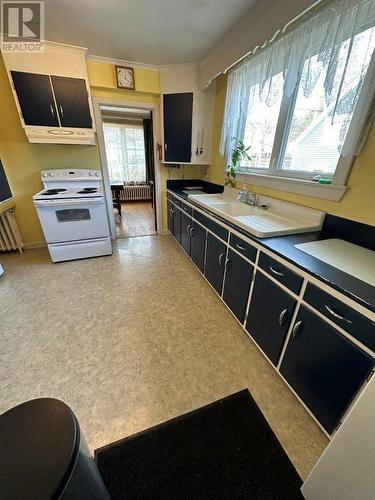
242,196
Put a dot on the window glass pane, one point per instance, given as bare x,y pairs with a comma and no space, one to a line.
261,122
318,130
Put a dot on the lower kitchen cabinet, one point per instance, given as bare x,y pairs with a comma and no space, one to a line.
215,260
185,232
176,233
324,368
198,244
237,284
270,313
170,216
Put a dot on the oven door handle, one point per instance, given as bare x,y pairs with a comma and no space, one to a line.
65,203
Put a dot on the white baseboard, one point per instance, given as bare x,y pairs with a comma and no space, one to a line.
34,244
163,232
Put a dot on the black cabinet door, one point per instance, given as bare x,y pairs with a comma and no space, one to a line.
324,368
270,313
72,101
35,97
198,244
176,214
177,113
237,284
185,232
170,216
215,261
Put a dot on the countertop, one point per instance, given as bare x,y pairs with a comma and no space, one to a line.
283,246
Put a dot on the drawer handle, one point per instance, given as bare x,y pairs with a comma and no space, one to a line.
337,316
221,257
283,317
228,264
278,273
296,329
240,247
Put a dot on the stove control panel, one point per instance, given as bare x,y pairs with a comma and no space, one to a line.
75,174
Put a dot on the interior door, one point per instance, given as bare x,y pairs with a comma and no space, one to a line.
324,368
35,97
177,117
237,284
270,313
72,101
215,261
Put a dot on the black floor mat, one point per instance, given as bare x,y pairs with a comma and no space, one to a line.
223,450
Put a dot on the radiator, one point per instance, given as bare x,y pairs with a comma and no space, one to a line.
142,192
10,236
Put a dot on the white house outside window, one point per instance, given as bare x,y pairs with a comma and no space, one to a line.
303,101
125,150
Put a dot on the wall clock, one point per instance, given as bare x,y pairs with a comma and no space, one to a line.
125,77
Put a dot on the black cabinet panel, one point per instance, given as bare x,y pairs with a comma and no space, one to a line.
269,317
237,284
353,322
72,101
281,273
176,233
35,97
187,208
170,216
5,191
177,114
219,230
185,232
215,260
243,247
324,368
198,245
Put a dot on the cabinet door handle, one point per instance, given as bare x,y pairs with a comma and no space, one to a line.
283,317
173,212
296,329
336,315
165,147
221,257
52,110
228,264
61,110
278,273
192,232
240,247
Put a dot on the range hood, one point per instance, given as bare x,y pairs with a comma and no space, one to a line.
60,135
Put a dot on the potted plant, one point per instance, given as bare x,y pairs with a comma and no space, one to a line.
239,153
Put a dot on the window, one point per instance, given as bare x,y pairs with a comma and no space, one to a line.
302,102
125,149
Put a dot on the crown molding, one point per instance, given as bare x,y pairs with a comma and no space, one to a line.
122,62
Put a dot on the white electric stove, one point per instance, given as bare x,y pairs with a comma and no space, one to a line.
72,212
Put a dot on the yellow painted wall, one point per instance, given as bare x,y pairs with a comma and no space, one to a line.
23,161
357,204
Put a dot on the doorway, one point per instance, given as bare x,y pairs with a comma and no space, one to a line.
127,137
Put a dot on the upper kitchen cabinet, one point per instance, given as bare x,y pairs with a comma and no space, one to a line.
35,98
177,122
187,116
52,94
72,101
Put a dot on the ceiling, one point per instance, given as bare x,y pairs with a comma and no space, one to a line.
147,31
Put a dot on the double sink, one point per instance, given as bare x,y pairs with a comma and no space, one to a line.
267,217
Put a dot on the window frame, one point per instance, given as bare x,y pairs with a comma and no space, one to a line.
296,180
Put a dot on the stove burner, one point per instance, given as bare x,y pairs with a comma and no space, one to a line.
50,192
88,190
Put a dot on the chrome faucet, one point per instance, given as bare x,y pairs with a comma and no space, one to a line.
247,197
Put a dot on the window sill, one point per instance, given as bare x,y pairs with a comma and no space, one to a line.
299,186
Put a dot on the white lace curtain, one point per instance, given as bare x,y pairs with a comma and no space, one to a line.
322,41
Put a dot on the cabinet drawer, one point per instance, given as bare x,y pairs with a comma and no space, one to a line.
281,273
186,208
243,247
360,327
211,225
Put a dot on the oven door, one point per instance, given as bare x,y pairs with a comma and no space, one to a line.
72,220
